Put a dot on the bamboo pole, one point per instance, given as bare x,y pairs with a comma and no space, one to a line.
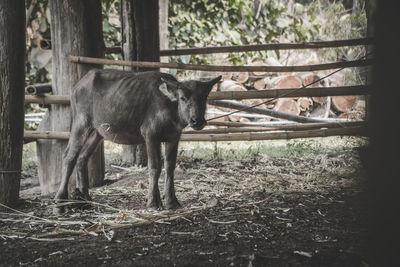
38,89
268,112
156,65
242,136
274,135
252,48
33,135
47,99
263,47
292,127
270,93
292,92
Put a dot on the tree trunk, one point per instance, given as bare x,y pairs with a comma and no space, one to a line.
164,36
12,79
371,18
76,29
140,42
381,159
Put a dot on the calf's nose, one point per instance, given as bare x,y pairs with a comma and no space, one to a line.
197,123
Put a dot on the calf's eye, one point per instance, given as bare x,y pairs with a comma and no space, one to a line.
183,98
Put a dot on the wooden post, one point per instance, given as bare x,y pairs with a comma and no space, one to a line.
140,42
163,22
76,30
382,164
371,17
12,79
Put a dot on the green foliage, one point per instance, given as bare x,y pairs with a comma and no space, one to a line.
338,23
234,22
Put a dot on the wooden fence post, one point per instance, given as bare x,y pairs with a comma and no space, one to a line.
76,29
12,79
141,41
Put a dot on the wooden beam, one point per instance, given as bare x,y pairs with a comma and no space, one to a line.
47,99
263,47
38,89
292,127
156,65
268,112
274,135
291,92
243,136
253,47
253,94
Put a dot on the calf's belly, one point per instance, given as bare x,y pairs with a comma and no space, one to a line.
118,137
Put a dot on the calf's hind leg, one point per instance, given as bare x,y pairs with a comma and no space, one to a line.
75,143
82,183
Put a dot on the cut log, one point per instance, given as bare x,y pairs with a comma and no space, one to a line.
308,80
230,85
289,81
258,63
287,105
225,75
260,84
241,77
344,103
304,103
38,89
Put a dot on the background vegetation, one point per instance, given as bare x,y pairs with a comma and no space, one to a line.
218,23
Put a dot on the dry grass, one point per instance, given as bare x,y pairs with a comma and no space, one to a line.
207,175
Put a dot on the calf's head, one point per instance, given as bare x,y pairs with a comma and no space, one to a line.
192,99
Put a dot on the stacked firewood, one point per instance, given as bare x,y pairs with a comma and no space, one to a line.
335,106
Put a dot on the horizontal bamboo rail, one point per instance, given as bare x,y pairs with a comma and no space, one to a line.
147,64
47,99
263,47
273,135
292,127
292,92
248,136
268,112
38,89
34,135
270,93
253,47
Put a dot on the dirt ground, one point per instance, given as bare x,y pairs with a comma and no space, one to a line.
261,211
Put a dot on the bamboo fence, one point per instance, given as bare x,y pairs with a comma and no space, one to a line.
244,135
253,48
237,95
310,127
221,68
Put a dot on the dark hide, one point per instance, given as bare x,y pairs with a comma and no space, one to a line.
132,108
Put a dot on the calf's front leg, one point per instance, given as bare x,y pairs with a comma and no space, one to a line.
171,150
153,147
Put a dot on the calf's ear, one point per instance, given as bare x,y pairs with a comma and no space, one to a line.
210,84
167,92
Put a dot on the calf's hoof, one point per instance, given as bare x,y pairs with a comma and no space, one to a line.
78,195
154,205
173,204
58,210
